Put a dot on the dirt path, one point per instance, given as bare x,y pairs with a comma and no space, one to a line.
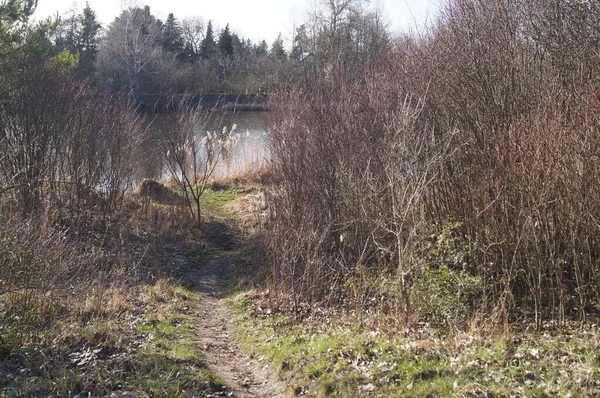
245,376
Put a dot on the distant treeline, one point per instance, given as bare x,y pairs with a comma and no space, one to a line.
149,60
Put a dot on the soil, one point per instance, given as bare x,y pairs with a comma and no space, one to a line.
244,375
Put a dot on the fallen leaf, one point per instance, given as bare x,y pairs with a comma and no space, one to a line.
535,353
369,387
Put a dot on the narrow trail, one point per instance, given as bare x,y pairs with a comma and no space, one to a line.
244,376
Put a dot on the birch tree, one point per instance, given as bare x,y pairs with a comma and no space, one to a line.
132,43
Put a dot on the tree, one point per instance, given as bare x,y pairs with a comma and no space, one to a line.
171,34
87,39
192,31
192,160
262,49
226,42
22,44
14,15
239,46
277,49
131,53
68,31
343,34
208,48
300,45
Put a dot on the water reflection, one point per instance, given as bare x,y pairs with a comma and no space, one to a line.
249,153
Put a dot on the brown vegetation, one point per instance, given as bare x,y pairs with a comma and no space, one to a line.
69,244
157,192
456,180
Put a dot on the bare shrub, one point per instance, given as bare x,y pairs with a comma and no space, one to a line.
67,155
42,270
191,155
466,157
63,140
523,114
351,165
35,257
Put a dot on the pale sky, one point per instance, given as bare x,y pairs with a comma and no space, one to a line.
253,19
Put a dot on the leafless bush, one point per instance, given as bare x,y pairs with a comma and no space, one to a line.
523,112
67,154
192,149
351,165
62,141
465,159
36,257
45,276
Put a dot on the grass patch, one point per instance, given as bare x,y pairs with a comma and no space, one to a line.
329,355
215,199
171,361
148,350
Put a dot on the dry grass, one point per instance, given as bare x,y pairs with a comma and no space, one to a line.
140,343
104,324
252,174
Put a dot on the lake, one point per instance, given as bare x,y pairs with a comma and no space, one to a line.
251,150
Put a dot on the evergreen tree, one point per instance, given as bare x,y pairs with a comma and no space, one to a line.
147,21
87,39
226,42
300,45
14,18
172,39
208,49
277,49
239,46
262,49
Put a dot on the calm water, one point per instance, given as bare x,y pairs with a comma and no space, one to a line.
249,152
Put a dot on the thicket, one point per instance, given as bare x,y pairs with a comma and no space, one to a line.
455,180
67,155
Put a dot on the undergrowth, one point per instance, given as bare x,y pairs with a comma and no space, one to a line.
113,318
333,353
145,348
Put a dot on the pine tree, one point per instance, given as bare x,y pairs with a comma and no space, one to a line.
300,45
12,16
261,49
172,39
208,49
239,46
226,42
277,49
87,39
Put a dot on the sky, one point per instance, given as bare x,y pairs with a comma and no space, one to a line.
253,19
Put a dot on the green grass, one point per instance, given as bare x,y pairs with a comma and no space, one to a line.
171,365
152,346
216,200
328,357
